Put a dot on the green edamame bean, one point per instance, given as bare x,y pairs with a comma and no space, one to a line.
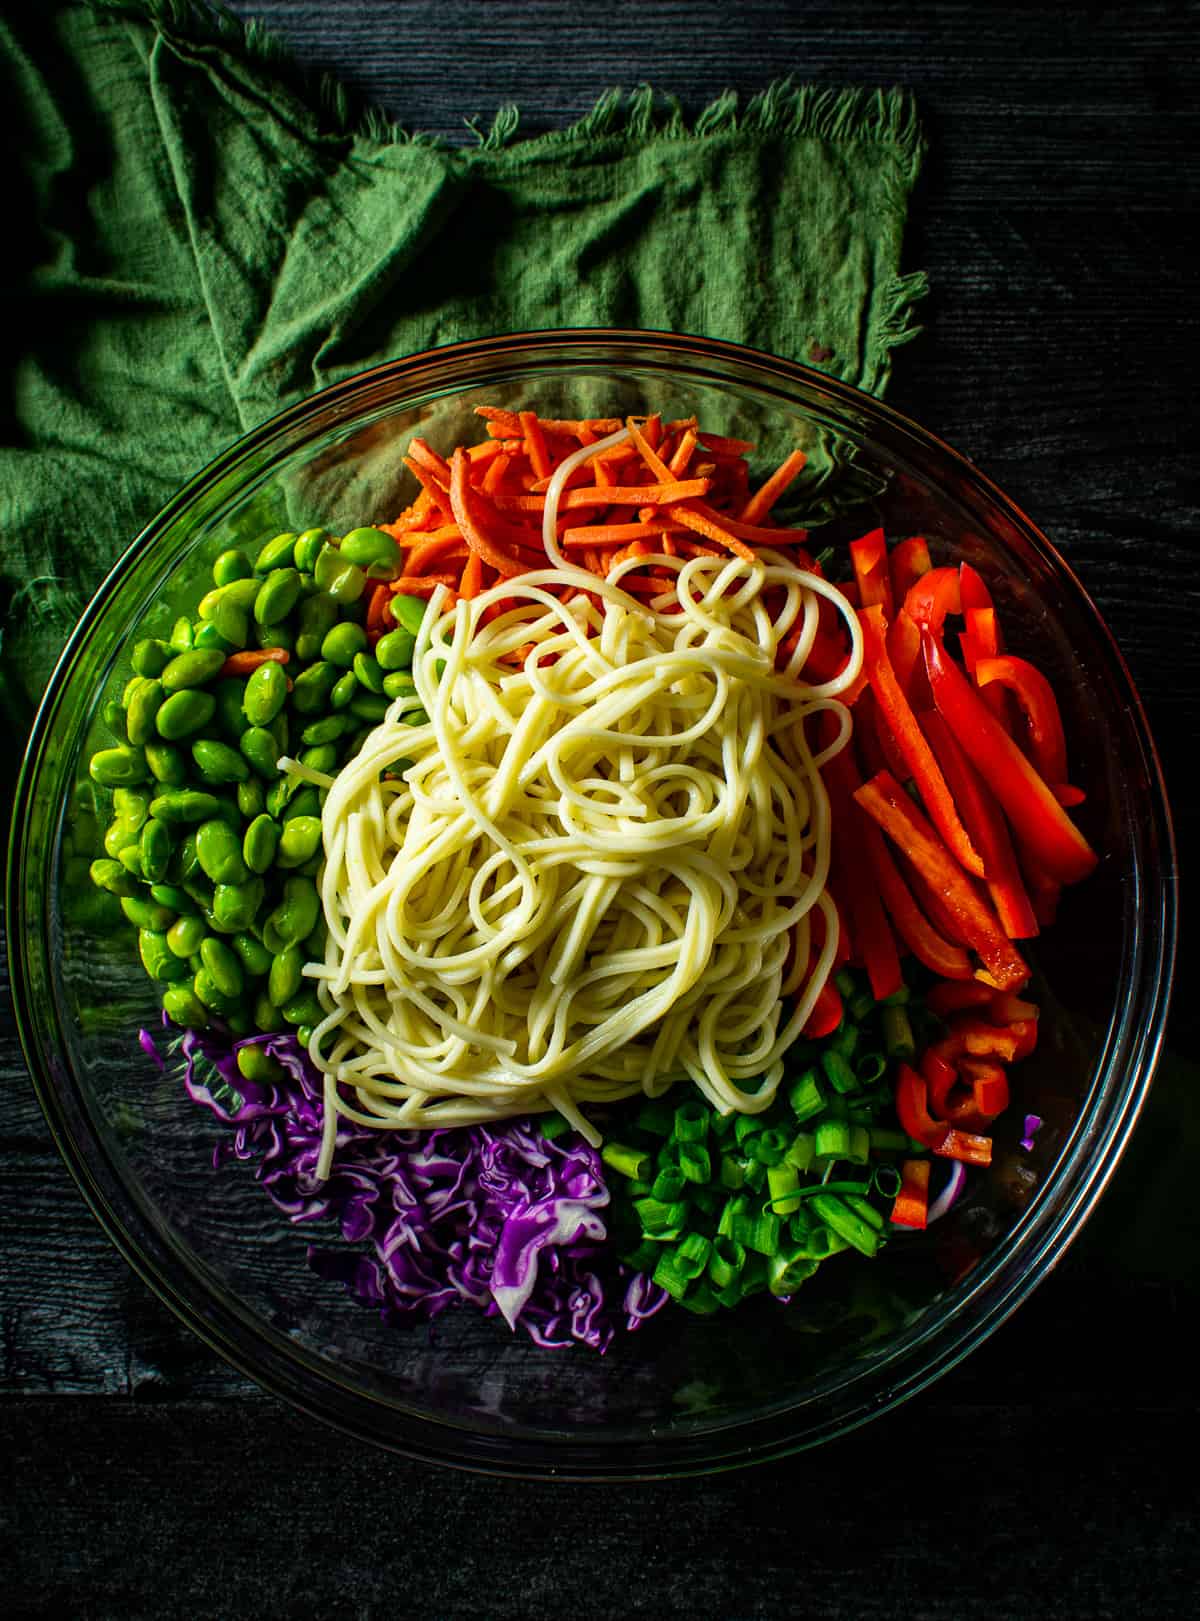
277,553
141,710
313,947
235,906
399,684
311,689
395,650
229,695
260,843
181,635
286,975
281,731
130,857
308,549
159,961
115,767
408,612
343,690
112,714
323,758
183,1007
184,712
338,578
417,717
192,669
278,796
307,802
368,672
208,992
155,849
209,639
326,730
150,656
181,805
298,843
267,1016
130,687
260,749
304,1008
232,565
184,866
317,617
254,1064
219,852
277,596
256,959
167,765
172,897
250,799
265,693
185,935
343,642
217,762
230,620
370,707
147,914
280,635
131,805
223,967
296,915
111,875
374,551
119,835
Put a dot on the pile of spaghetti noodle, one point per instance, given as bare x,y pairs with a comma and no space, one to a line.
593,862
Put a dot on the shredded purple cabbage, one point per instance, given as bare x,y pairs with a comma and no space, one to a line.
499,1216
1033,1124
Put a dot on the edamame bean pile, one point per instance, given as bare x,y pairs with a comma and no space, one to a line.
211,850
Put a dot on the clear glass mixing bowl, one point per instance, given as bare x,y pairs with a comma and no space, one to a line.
684,1394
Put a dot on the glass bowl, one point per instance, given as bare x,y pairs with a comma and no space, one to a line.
685,1394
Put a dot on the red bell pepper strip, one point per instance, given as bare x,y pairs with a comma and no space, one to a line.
895,711
934,595
869,558
878,743
910,559
972,591
911,1208
987,827
967,1147
954,996
939,1075
912,1109
1008,1009
1038,820
981,640
904,650
884,799
826,1014
1047,741
942,956
870,930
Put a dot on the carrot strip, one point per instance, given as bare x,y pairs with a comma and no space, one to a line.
471,583
535,443
765,497
683,453
494,477
426,586
378,609
243,663
423,453
648,453
721,446
607,534
712,531
884,800
462,502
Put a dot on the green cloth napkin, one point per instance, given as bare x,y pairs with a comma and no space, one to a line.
205,237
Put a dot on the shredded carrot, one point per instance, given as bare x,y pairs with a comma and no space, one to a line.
647,451
379,610
426,586
765,497
683,453
421,452
605,534
243,663
535,443
471,583
720,446
713,531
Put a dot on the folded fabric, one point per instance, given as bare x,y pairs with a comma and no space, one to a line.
203,238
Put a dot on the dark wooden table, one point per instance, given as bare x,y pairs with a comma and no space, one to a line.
1052,1473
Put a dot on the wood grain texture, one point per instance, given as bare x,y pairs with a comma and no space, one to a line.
1063,333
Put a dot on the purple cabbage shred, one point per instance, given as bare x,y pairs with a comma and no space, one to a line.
498,1216
1033,1124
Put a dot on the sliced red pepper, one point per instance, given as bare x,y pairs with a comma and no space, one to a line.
1008,1009
963,1145
911,1208
904,650
913,1111
1047,741
930,902
826,1013
953,996
942,956
869,927
940,1075
987,827
981,640
884,800
934,595
1039,821
879,744
972,591
910,559
896,712
869,559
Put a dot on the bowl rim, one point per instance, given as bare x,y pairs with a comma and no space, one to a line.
1020,1261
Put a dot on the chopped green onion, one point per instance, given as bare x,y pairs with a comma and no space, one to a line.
782,1182
639,1190
701,1299
832,1139
756,1174
838,1072
785,1273
887,1181
806,1096
661,1218
898,1034
884,1140
897,998
747,1125
720,1125
667,1158
845,982
725,1261
820,1244
631,1162
645,1258
691,1256
859,1150
670,1184
691,1121
668,1276
862,1207
694,1162
754,1275
732,1173
734,1209
553,1125
843,1040
769,1147
860,1007
846,1223
869,1068
800,1154
705,1199
759,1233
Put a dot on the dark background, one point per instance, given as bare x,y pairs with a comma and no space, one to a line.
1052,1473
